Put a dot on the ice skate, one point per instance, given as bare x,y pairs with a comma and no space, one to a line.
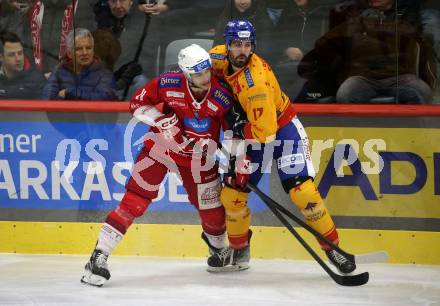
228,259
340,262
96,271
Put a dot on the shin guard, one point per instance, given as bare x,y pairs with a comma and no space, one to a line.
238,216
307,198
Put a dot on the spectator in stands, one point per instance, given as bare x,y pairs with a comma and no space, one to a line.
46,24
10,17
18,79
362,58
430,15
252,10
80,76
298,24
177,19
116,42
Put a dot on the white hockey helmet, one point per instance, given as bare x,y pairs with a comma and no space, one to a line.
193,59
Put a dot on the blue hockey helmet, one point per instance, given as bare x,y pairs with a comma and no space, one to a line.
239,30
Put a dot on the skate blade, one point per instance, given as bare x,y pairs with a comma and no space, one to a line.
230,268
92,279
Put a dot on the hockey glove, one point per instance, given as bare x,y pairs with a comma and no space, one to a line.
169,131
236,119
239,173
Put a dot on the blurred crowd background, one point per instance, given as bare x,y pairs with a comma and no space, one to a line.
322,51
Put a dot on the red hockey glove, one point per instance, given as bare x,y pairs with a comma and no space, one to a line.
239,173
169,131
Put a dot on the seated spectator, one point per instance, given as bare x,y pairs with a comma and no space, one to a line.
430,15
46,24
80,76
362,59
424,12
116,42
10,17
255,12
299,25
177,19
18,78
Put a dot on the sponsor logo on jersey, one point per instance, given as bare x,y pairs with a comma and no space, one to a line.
198,125
217,56
169,81
258,97
177,103
175,94
221,97
212,106
208,194
288,160
248,77
134,106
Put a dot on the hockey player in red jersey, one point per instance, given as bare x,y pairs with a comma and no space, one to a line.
182,106
265,117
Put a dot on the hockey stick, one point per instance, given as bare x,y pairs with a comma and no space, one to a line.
379,256
139,47
373,257
344,280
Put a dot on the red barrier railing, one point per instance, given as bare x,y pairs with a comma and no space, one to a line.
359,110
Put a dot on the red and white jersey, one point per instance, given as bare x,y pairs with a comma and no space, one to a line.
200,119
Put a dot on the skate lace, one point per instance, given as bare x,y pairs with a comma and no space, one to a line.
224,254
338,257
101,260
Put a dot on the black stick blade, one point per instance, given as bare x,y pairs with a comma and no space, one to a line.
351,280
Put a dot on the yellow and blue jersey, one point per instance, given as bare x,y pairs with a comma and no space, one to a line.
258,91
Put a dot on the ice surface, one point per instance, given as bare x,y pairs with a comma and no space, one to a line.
55,280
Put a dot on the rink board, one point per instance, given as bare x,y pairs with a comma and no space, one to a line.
407,247
41,211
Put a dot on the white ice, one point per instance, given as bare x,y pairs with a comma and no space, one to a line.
54,280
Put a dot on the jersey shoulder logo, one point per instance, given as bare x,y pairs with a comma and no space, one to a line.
170,81
217,56
248,76
221,97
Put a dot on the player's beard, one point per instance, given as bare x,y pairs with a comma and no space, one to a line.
239,61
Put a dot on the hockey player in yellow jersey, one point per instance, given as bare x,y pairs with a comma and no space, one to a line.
264,116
